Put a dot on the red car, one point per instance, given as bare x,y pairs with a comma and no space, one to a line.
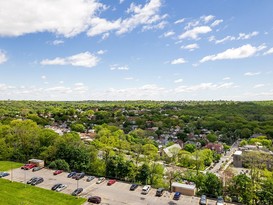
28,166
111,181
57,172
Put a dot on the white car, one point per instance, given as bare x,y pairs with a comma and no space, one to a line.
61,187
100,180
146,189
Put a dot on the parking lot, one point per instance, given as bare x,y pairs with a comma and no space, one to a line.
116,194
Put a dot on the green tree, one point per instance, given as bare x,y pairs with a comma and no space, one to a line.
190,148
212,137
60,164
77,127
239,188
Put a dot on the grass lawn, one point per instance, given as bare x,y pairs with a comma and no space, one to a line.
7,165
14,193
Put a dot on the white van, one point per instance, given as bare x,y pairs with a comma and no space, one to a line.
146,189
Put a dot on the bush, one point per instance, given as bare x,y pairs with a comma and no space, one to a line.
59,164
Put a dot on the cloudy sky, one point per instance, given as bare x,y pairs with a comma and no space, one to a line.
136,50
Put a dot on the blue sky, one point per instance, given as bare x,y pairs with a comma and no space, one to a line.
136,50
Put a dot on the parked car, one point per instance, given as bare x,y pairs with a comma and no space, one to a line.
55,187
61,187
176,196
94,199
71,174
133,187
220,201
146,189
3,174
159,191
100,180
79,175
37,181
28,166
111,181
37,169
31,180
77,191
203,200
58,172
90,178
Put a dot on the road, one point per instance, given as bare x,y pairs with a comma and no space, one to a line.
225,159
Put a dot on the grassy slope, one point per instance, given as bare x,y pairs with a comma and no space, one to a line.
6,165
13,193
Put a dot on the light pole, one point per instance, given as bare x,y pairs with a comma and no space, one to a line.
25,177
11,172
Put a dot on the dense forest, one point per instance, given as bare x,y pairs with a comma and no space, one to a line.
127,136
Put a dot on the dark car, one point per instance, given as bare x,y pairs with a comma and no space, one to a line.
55,187
159,191
77,191
133,187
203,200
94,199
176,195
71,174
79,175
35,169
32,180
220,201
37,181
3,174
90,178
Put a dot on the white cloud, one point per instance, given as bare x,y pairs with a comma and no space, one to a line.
252,74
160,25
57,42
43,77
85,59
241,36
141,15
121,1
244,51
105,36
216,22
258,86
226,78
169,33
207,19
101,52
178,61
270,51
194,33
179,21
178,80
3,57
245,36
192,24
190,47
129,78
62,17
204,86
227,38
118,67
80,88
145,92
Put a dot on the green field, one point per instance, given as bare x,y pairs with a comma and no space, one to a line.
13,193
7,165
